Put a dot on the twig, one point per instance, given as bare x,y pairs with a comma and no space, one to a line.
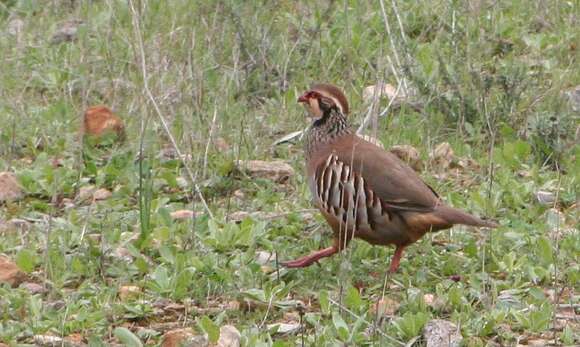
557,246
209,141
395,54
490,185
394,5
139,37
268,309
85,224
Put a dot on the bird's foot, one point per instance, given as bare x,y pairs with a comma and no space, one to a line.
311,258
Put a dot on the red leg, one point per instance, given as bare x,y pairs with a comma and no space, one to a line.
311,258
396,259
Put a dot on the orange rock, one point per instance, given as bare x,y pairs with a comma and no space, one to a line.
74,339
129,292
9,187
184,214
385,307
99,120
10,273
183,337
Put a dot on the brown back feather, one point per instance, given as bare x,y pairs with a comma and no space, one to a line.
398,186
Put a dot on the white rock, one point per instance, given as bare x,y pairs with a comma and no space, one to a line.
276,170
380,90
285,328
102,194
15,26
229,337
264,257
545,198
439,332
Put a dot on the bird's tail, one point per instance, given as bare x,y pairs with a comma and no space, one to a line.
455,216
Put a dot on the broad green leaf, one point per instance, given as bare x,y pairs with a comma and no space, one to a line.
340,326
545,251
127,337
353,299
26,260
210,328
324,303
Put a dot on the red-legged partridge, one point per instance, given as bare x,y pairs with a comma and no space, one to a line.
363,190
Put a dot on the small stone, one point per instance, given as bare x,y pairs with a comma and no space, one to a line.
184,214
545,198
15,26
122,254
238,216
573,96
229,337
438,332
239,194
285,328
182,182
429,299
74,340
560,324
68,203
108,88
55,305
129,292
167,153
67,32
409,155
432,301
10,273
442,156
10,189
264,257
86,192
33,288
277,170
48,340
102,194
15,225
383,89
538,343
221,144
184,338
100,120
385,307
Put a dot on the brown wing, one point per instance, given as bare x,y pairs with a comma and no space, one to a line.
386,176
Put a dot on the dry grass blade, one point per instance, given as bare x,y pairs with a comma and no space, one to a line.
139,38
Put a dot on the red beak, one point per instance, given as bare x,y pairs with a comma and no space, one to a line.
303,98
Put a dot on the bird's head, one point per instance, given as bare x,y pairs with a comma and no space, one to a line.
321,98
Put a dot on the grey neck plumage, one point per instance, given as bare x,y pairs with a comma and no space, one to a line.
327,128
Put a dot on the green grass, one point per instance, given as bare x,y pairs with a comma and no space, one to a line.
489,77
